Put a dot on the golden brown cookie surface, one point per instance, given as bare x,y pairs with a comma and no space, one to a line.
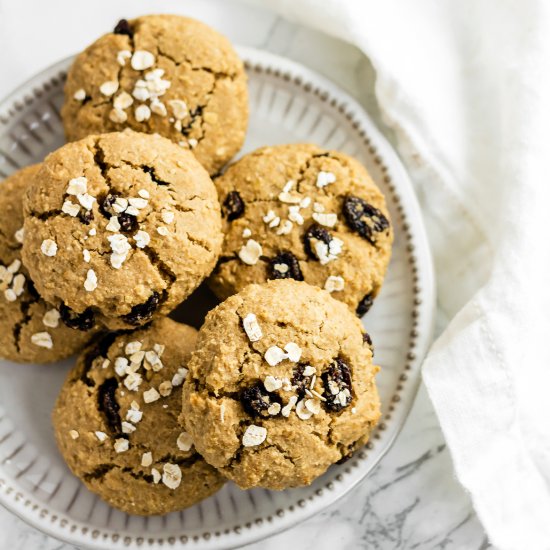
116,422
162,74
301,212
121,226
31,330
281,385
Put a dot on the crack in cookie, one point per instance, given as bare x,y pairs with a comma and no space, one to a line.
141,236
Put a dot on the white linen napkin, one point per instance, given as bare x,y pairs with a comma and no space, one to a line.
465,87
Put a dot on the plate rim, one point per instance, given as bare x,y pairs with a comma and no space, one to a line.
418,247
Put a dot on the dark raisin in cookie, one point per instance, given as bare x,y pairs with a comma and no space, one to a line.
31,330
281,385
304,213
146,247
116,422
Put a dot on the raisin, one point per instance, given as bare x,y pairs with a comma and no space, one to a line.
143,312
233,206
315,232
106,205
79,321
86,216
364,218
287,259
337,383
299,381
123,27
108,404
256,400
128,224
365,304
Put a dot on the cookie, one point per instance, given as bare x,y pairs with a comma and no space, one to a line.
121,227
116,422
304,213
281,385
31,331
162,74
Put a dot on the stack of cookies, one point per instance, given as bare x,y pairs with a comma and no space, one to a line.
114,230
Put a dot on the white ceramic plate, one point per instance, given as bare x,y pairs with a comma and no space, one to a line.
289,103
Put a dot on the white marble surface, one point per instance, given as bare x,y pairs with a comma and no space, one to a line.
411,501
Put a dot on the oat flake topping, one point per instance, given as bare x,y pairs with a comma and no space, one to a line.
102,436
20,235
42,340
151,395
142,60
109,88
324,179
274,355
77,186
48,247
254,436
51,318
80,95
179,377
146,459
156,475
167,216
250,253
123,56
287,409
327,253
127,428
121,445
171,476
165,388
11,282
302,412
309,370
252,328
272,384
90,284
294,352
326,219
